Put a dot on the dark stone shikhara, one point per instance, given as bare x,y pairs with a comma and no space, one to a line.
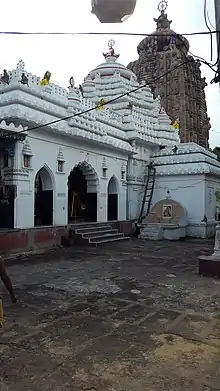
182,91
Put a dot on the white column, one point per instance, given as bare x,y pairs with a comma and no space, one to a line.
60,199
130,193
24,201
18,158
102,201
122,202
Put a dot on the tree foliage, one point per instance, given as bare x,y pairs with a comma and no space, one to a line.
216,150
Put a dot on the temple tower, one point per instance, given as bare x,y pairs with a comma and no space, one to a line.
182,91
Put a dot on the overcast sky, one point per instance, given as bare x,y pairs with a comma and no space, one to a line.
75,55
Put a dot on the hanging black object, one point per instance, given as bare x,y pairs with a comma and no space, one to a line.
113,11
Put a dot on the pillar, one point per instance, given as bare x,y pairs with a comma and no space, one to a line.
24,200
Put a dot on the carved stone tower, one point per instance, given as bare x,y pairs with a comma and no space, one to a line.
182,91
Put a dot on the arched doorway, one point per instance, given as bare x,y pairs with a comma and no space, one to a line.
112,199
43,200
82,194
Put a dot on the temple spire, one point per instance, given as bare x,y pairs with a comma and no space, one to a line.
162,21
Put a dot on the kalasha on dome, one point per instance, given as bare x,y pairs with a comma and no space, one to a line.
113,11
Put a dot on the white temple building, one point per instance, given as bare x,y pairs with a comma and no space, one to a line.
63,159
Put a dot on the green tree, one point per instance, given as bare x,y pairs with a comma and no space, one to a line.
216,150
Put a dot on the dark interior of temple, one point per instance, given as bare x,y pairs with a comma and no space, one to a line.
82,206
43,205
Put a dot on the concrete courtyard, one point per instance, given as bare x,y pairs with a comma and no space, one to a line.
132,316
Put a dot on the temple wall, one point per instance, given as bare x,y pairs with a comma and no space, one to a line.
212,184
188,190
45,149
196,193
136,179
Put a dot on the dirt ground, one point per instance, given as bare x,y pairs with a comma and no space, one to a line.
131,316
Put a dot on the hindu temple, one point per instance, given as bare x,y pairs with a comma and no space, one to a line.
182,91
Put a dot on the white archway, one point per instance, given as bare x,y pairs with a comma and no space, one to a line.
90,175
113,199
43,197
47,178
83,187
113,185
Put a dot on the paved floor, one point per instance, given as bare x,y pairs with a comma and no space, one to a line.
129,317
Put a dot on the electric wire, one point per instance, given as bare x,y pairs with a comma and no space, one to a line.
129,92
201,59
122,95
210,31
107,33
97,106
207,18
211,24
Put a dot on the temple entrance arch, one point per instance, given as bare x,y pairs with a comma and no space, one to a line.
113,199
82,193
43,197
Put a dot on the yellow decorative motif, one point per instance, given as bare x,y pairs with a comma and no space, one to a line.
46,79
176,124
100,106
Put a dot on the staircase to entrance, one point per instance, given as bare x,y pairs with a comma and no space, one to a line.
93,234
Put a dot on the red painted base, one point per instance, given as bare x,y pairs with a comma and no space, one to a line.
23,240
209,266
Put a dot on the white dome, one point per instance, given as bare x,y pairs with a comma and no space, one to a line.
109,68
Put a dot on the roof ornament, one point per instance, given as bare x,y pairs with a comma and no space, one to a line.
162,21
5,79
24,79
46,79
101,104
20,65
72,83
111,56
176,124
162,6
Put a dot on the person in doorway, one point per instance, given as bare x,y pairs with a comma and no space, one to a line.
7,281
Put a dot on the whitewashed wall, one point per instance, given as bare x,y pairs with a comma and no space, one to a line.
137,176
212,183
189,191
45,150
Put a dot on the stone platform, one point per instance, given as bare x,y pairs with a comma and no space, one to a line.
209,266
38,238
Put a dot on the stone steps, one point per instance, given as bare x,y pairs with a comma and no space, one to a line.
88,230
93,234
151,232
96,234
108,240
